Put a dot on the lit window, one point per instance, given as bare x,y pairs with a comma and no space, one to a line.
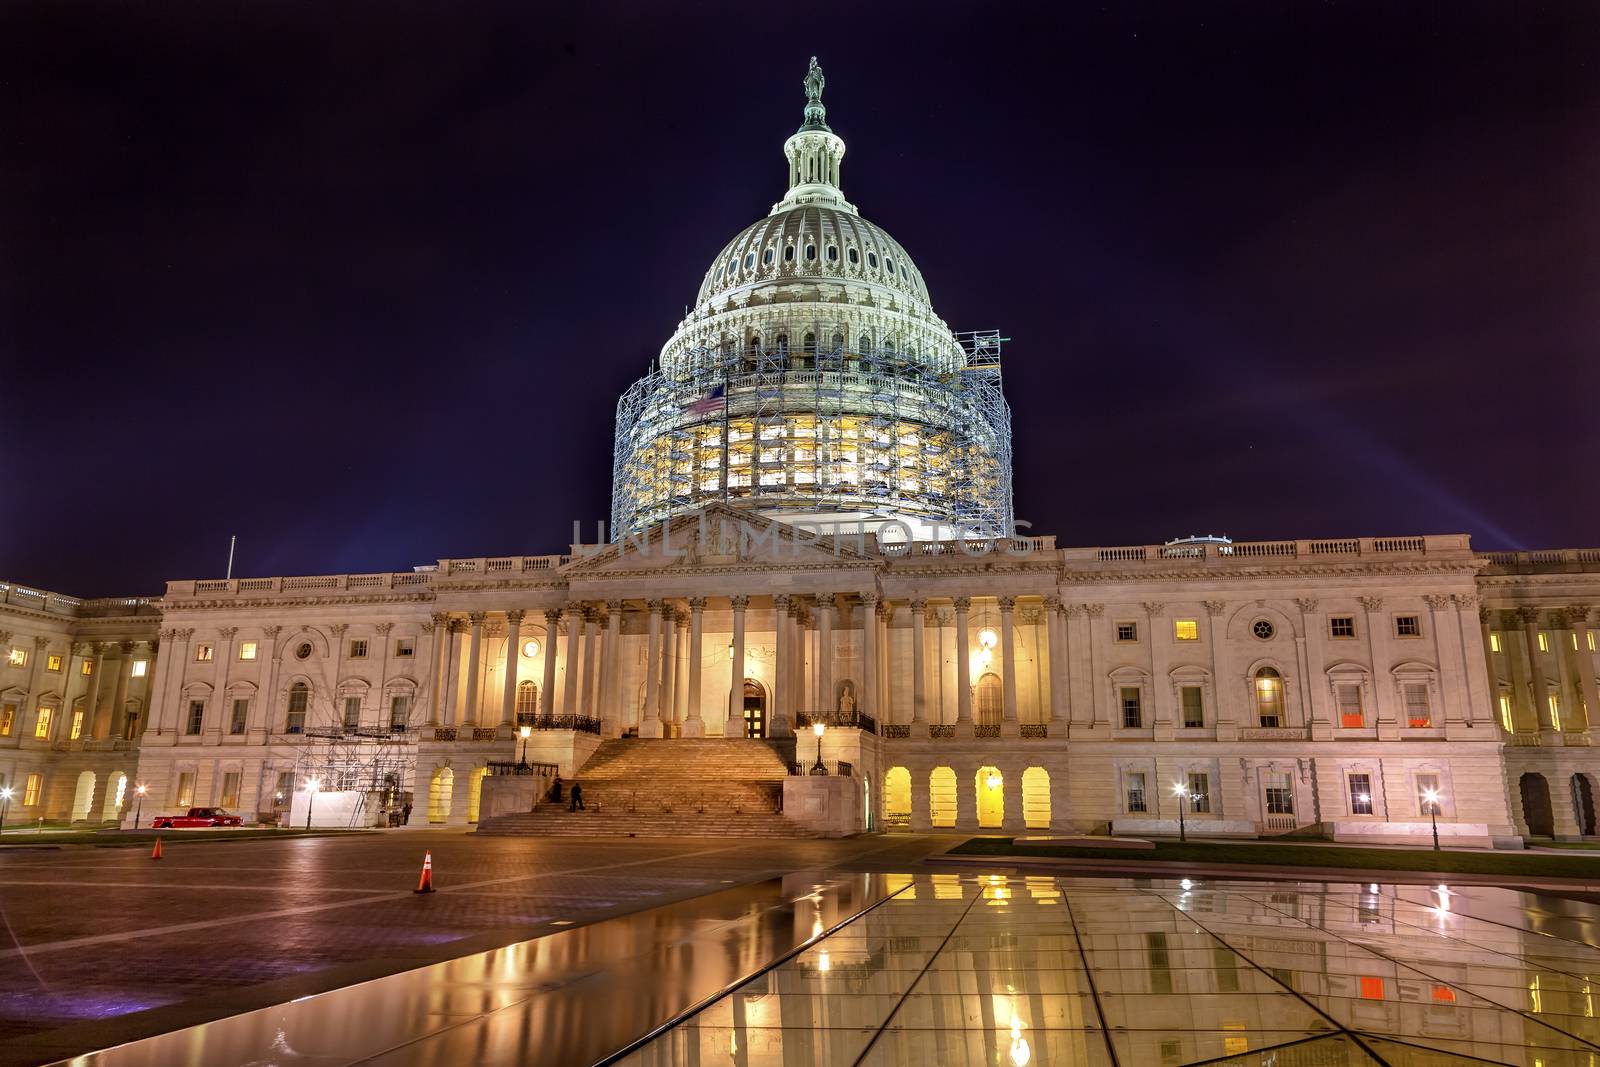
1342,626
1127,631
1371,987
1428,785
41,728
1351,716
358,649
1574,641
247,650
1494,642
140,668
1135,784
77,726
1535,995
1185,630
1407,626
1194,713
1544,641
1555,711
185,789
1591,641
230,790
8,719
405,647
87,668
299,698
1280,794
1200,793
1417,714
30,792
203,653
1360,794
1269,697
1263,629
1132,713
53,663
17,657
1505,714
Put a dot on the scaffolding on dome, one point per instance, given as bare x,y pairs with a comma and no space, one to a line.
862,430
356,759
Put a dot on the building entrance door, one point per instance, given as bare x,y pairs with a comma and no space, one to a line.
755,709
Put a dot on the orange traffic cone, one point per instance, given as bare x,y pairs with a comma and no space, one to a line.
155,854
425,885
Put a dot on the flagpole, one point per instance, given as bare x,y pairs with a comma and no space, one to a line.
233,540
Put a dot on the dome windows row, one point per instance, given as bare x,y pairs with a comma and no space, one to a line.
731,268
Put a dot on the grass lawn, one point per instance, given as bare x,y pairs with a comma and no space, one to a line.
1268,855
146,838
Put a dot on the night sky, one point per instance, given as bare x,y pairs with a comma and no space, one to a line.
362,283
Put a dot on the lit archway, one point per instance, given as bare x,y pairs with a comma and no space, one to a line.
991,786
1036,798
116,792
897,798
83,797
475,792
440,789
942,798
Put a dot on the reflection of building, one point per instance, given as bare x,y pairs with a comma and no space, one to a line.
996,683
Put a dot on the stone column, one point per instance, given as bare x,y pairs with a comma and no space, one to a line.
734,727
1486,637
1541,689
591,662
267,698
1060,711
452,669
1314,688
825,619
572,683
611,703
880,636
441,650
1008,663
1578,618
1095,647
868,702
508,703
669,662
1161,727
963,666
119,699
650,723
91,716
469,714
693,724
547,694
798,637
148,692
1452,663
919,664
780,665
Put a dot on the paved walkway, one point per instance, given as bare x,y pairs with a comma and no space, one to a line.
105,945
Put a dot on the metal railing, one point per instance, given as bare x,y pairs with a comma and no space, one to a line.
512,769
836,720
842,768
583,724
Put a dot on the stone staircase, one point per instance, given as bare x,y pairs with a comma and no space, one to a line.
674,787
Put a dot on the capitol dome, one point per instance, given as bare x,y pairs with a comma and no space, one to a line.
813,380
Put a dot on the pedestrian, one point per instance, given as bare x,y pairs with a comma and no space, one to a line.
405,814
555,790
577,798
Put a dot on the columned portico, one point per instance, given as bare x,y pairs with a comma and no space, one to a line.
469,717
508,699
547,692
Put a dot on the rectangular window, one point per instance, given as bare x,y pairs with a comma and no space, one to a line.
1280,794
405,646
1428,785
1269,698
1135,784
1185,630
1351,716
87,668
1341,625
140,666
197,717
1407,626
1418,716
8,719
1544,641
1127,631
1360,794
17,657
204,653
185,797
30,793
77,725
1194,710
1555,711
358,649
1574,642
1200,793
1494,642
1505,715
1591,640
41,727
241,717
230,790
52,662
284,790
1132,718
352,712
1371,987
247,650
399,712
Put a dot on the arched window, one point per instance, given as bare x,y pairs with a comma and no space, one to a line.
299,699
441,788
838,342
897,797
865,345
990,784
1036,798
990,697
527,700
942,798
1269,697
811,344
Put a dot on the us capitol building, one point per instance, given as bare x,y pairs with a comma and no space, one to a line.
812,524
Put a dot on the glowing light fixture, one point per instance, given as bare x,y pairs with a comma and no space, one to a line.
987,638
530,649
992,781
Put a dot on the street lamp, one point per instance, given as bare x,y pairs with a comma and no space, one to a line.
818,728
1431,797
5,805
1182,793
311,795
526,732
138,804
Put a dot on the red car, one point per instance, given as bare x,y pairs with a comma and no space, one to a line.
197,817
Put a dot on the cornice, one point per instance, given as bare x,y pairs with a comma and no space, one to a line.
295,602
1464,568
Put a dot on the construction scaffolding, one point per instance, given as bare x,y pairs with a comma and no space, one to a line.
861,430
377,762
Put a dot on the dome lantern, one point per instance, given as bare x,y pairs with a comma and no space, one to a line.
815,154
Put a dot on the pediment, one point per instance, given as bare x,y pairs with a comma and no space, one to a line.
718,537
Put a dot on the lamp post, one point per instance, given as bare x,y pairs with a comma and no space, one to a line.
526,732
1182,793
5,806
818,728
1431,796
138,803
311,795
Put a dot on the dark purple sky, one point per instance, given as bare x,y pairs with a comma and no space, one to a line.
362,283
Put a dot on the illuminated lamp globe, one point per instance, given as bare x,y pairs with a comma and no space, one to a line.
987,638
530,649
